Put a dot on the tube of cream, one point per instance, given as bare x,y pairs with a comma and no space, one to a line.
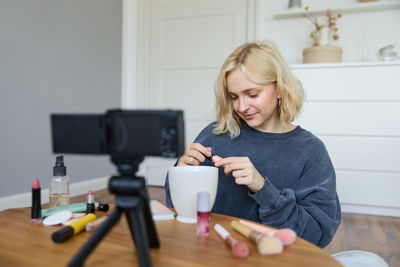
74,208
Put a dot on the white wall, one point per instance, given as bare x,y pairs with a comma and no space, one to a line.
362,34
55,57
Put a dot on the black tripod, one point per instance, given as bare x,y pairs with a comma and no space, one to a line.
132,199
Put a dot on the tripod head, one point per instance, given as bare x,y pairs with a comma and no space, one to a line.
127,166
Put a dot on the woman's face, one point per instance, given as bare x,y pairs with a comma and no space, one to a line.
255,103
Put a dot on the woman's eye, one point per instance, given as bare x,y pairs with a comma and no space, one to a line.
253,95
233,97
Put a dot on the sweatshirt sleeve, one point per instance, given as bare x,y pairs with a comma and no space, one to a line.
168,199
310,207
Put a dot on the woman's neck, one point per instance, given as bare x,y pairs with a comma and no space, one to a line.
277,127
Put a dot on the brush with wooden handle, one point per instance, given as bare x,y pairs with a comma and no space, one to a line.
266,245
286,235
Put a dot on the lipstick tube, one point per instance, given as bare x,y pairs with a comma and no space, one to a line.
90,207
36,210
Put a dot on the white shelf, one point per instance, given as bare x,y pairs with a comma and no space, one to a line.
345,64
353,8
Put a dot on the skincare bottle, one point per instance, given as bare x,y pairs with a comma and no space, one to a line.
203,213
59,184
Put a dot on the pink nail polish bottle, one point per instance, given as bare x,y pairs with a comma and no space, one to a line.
203,213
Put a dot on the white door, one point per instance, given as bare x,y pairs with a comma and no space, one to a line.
187,44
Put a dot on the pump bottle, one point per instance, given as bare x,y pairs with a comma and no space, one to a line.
59,184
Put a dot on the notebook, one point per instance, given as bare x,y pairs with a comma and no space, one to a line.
160,212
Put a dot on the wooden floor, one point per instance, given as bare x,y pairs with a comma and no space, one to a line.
377,234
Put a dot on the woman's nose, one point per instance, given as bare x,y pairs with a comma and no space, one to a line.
243,105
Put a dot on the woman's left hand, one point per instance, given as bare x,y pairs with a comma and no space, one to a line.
242,170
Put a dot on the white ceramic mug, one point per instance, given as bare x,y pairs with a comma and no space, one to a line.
184,184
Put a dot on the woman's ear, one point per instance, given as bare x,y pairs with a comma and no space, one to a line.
278,95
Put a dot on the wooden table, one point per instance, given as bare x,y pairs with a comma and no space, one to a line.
26,244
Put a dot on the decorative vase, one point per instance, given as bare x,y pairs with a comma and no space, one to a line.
324,36
322,54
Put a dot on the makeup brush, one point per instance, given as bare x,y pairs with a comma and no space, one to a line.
286,235
239,249
266,245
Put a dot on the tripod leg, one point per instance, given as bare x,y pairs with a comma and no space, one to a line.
95,239
148,217
139,233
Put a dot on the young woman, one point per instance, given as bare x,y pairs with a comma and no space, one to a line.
270,171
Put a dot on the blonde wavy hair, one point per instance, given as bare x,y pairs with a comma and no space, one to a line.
261,63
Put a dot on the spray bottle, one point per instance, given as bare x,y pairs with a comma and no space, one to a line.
59,184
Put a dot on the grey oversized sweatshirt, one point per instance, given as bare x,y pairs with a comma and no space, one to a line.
300,182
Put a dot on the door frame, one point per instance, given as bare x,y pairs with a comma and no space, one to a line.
135,48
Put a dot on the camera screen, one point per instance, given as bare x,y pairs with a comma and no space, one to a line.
80,134
134,134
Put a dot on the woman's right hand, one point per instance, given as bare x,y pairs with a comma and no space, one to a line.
195,153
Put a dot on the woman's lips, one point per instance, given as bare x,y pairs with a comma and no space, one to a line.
249,116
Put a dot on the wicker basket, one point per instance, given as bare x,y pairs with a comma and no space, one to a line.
322,54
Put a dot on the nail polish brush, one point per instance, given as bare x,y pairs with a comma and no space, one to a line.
215,159
210,158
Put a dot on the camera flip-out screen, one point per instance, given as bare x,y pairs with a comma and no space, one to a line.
126,133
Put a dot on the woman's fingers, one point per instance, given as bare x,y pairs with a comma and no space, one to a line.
240,173
242,181
200,148
194,154
243,171
216,158
233,163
